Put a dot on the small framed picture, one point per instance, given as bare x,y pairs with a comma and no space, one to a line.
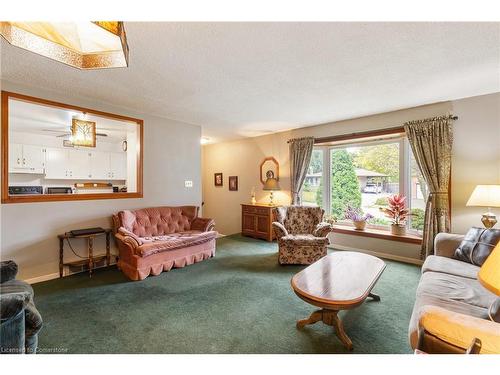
233,183
218,181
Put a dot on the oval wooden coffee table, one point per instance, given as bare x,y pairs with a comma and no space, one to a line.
339,281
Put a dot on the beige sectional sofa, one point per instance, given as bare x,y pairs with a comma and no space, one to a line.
452,285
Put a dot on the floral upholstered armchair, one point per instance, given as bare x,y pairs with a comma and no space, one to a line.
301,234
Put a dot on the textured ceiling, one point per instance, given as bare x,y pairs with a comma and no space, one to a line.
247,79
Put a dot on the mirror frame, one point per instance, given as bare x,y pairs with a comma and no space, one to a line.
273,160
6,198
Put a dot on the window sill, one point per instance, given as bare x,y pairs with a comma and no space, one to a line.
377,233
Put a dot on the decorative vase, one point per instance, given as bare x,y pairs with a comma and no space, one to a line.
398,229
359,225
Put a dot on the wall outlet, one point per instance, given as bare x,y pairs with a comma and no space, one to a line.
188,183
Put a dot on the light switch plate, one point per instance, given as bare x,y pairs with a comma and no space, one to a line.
188,183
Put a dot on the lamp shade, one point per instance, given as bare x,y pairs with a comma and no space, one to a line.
489,274
272,184
485,196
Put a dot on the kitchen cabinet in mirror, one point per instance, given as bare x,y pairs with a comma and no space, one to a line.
54,152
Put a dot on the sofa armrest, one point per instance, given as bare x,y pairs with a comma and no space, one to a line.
34,321
203,224
12,304
460,329
445,244
128,237
322,229
8,270
279,229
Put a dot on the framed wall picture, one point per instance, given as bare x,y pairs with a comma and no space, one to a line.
233,183
218,181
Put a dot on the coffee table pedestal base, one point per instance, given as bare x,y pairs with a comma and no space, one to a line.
330,318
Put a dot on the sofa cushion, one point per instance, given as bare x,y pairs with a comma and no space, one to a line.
450,266
304,240
158,221
173,241
454,293
455,288
299,219
477,244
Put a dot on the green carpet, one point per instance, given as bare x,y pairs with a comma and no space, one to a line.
238,302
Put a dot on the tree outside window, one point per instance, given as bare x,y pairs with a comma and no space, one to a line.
344,183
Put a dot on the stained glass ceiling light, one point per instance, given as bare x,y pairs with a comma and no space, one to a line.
83,133
83,45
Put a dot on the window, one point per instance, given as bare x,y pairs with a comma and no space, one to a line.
362,173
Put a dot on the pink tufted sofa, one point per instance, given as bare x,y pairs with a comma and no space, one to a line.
156,239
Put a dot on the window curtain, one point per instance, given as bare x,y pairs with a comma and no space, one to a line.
431,142
300,157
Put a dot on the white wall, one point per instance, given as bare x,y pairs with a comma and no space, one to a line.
171,155
476,156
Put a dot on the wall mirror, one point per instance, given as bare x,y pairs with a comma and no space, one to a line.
269,167
53,151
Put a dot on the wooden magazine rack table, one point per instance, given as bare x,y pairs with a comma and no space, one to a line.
91,259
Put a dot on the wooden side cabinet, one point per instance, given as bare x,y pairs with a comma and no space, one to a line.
256,221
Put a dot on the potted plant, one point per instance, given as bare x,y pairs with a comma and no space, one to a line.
398,214
357,217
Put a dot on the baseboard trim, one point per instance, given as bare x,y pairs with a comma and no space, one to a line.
398,258
40,279
52,276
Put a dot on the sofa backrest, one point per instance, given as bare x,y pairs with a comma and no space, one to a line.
299,219
158,221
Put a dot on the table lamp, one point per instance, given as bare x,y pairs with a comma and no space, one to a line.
486,196
271,184
489,277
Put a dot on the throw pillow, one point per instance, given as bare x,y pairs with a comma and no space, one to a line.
478,243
